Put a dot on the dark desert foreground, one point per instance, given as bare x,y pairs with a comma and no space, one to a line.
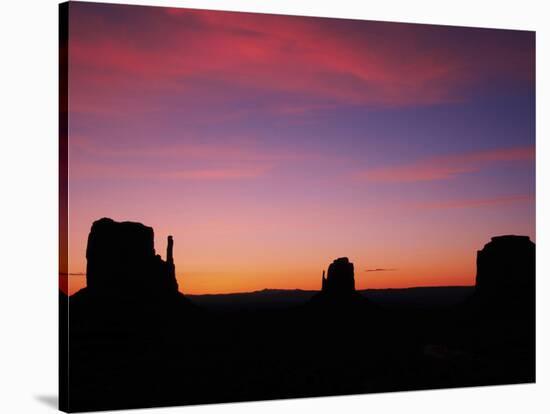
135,341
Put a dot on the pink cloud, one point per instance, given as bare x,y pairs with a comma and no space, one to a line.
133,172
216,173
447,167
321,59
473,203
241,159
239,151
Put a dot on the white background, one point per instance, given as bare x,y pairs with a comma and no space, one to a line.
28,204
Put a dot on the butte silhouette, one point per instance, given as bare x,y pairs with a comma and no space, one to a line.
127,282
338,288
121,259
505,279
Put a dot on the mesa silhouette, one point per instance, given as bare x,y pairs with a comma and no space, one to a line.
338,292
129,286
121,261
505,279
134,340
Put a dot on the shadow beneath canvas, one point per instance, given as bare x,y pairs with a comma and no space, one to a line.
51,401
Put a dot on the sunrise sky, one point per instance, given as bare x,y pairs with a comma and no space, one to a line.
270,145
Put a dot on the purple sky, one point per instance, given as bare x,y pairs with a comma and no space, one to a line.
270,145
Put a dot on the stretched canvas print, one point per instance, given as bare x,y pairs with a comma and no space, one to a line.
257,206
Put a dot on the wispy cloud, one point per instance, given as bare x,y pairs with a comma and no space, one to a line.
447,167
243,159
380,270
214,173
320,59
130,171
237,150
477,202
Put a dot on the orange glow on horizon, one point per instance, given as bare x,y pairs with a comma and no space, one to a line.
236,284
